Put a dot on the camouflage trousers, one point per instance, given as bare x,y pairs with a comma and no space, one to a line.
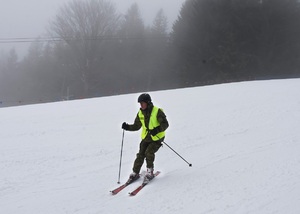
147,150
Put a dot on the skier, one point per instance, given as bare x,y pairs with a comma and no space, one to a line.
153,122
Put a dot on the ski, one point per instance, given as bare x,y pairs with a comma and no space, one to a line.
134,192
118,189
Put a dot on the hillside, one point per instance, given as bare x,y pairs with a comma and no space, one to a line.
242,138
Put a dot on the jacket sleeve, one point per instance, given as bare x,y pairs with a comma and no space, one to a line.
162,119
136,125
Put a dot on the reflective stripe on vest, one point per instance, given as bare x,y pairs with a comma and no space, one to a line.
153,123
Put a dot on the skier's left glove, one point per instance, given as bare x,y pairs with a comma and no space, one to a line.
155,131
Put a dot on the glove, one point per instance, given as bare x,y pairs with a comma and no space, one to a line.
125,126
155,131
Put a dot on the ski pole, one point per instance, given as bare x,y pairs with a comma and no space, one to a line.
121,156
190,165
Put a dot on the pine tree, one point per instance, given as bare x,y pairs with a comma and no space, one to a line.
221,40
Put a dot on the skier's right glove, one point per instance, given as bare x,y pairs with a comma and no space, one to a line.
125,126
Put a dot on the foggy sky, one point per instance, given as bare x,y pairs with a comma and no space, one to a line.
29,18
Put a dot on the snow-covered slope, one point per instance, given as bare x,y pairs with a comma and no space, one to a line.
243,140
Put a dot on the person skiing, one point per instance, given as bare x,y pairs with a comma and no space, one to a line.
153,122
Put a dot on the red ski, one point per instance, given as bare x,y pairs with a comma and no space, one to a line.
118,189
134,192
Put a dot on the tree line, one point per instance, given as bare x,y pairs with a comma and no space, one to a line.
94,51
219,40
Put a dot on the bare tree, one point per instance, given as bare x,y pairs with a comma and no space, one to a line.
84,25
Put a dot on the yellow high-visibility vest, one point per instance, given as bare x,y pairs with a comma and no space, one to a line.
153,123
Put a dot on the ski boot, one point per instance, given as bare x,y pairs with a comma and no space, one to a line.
132,177
149,175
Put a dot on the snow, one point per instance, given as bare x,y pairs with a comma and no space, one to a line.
243,140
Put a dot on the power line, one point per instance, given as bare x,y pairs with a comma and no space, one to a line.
29,39
59,39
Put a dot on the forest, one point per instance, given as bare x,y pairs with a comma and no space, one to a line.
92,51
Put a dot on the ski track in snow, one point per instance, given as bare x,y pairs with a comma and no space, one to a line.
242,138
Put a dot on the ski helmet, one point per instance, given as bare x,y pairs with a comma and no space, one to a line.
144,98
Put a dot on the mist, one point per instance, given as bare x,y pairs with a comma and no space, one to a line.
35,69
30,18
94,48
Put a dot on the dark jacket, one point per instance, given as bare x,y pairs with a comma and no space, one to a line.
161,117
